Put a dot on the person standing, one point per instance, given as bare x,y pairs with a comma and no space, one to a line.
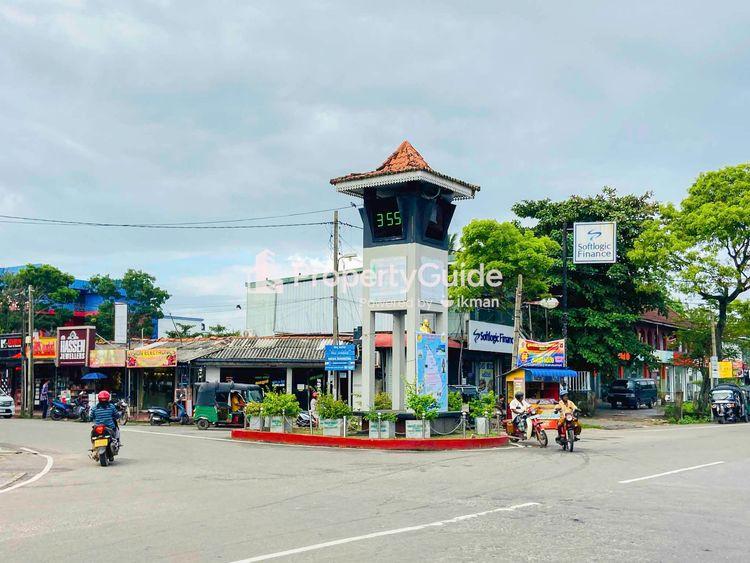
44,398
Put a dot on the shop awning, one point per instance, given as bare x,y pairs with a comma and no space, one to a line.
550,375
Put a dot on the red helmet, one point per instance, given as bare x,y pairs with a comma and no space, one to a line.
104,396
315,395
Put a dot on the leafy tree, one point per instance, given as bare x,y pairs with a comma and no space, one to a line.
605,301
695,335
145,301
220,330
704,245
182,331
52,297
108,289
511,250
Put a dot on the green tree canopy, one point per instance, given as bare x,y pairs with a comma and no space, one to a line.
145,301
182,330
51,293
604,300
703,246
510,249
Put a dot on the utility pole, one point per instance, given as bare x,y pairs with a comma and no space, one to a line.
714,353
565,282
335,277
24,365
30,370
517,320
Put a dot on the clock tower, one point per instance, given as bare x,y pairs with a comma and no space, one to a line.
407,211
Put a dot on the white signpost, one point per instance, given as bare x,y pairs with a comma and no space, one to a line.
595,242
121,323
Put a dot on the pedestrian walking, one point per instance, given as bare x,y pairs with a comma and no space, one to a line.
44,398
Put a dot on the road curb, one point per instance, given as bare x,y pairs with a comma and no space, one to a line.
426,444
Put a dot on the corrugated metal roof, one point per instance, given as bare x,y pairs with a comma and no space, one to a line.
192,348
308,349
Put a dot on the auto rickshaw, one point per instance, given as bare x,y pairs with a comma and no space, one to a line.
729,403
223,404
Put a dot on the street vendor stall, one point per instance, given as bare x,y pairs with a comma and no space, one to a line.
541,386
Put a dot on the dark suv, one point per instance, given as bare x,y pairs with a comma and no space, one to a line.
632,393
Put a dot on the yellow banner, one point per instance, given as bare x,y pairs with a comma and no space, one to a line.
725,370
152,358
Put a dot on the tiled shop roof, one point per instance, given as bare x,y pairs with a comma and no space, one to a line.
404,159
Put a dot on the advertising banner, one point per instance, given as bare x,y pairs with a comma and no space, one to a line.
541,354
725,370
74,344
595,243
152,358
432,367
107,358
45,348
490,337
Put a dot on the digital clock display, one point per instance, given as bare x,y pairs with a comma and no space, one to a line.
385,218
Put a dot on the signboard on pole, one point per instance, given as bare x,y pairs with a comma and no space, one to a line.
541,354
432,367
490,337
74,344
595,242
340,357
714,367
121,323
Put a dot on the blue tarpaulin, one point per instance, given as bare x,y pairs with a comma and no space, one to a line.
548,374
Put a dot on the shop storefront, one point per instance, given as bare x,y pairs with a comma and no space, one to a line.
10,366
488,353
153,370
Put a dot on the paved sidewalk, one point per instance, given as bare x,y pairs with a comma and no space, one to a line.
617,419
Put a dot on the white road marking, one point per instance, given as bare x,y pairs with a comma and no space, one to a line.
670,472
384,533
128,430
42,473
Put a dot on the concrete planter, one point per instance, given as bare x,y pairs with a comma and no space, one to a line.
280,424
387,429
255,423
482,425
417,428
333,427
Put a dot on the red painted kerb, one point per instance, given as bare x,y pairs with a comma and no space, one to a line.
426,444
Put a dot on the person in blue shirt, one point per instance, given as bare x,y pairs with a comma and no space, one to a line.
106,413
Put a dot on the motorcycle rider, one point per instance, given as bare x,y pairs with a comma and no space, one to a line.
564,407
519,406
107,414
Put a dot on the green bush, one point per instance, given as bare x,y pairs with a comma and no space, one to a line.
483,406
372,415
329,407
424,406
383,401
690,414
253,408
455,402
277,404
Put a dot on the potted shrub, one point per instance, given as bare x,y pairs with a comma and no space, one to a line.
383,401
382,423
481,410
333,415
455,402
425,409
253,411
282,408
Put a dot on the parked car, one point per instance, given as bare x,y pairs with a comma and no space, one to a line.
632,393
729,403
7,408
468,392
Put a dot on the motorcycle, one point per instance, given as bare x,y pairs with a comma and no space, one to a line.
124,409
303,420
71,410
104,445
566,431
159,415
530,424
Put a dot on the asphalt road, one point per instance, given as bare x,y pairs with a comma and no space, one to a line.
176,494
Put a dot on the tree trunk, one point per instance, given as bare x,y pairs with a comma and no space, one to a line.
703,394
721,324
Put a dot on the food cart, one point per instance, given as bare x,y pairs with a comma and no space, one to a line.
540,386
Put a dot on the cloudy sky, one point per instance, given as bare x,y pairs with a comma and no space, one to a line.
195,111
